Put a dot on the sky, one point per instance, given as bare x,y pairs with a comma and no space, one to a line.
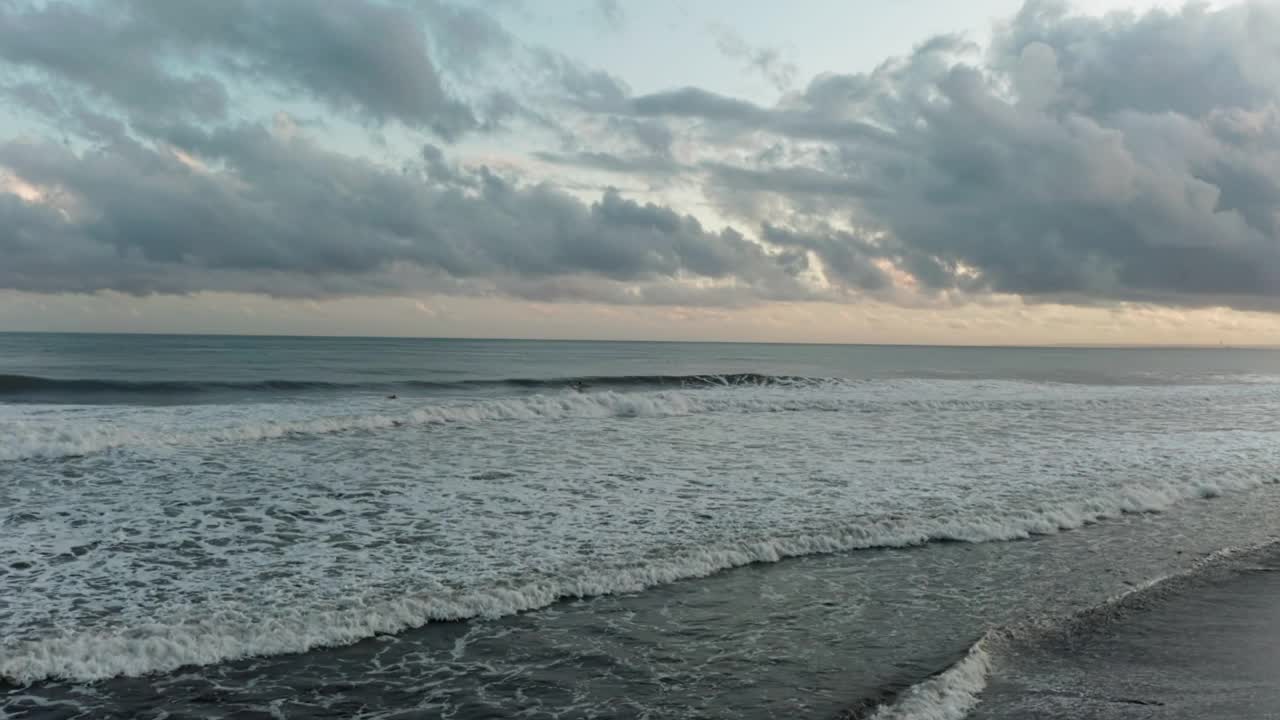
897,171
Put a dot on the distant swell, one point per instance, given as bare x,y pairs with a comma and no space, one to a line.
25,384
33,388
651,381
227,636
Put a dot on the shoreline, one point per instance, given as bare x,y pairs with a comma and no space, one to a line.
1201,644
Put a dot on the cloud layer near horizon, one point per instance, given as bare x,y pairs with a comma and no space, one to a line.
1075,159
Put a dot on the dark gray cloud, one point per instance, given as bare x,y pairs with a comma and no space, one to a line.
166,57
68,114
792,181
584,87
654,136
105,51
1127,157
431,65
739,116
652,165
363,57
847,258
468,39
173,194
696,102
1189,62
147,220
1076,158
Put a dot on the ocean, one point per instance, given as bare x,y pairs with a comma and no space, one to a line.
241,527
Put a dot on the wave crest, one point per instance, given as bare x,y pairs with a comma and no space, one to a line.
31,440
31,437
33,388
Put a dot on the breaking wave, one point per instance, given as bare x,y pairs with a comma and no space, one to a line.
34,438
948,695
223,636
41,440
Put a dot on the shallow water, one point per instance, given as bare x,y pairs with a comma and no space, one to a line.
1204,646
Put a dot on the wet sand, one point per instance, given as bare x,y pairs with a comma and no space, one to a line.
1209,648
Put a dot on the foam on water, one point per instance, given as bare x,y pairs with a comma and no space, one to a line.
949,695
44,433
229,635
51,440
192,541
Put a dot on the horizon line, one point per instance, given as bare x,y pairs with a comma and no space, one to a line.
1031,346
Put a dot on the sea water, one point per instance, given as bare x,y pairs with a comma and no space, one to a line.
317,527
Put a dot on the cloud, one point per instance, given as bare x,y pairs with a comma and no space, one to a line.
766,61
584,87
283,216
1074,159
696,102
736,117
108,55
611,14
1080,158
466,38
167,57
430,65
612,162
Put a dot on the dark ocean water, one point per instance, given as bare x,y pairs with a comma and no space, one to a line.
201,527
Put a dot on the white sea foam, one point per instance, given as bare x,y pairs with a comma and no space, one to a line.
949,695
228,635
344,533
96,430
44,439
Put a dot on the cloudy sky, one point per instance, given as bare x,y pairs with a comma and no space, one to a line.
994,171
